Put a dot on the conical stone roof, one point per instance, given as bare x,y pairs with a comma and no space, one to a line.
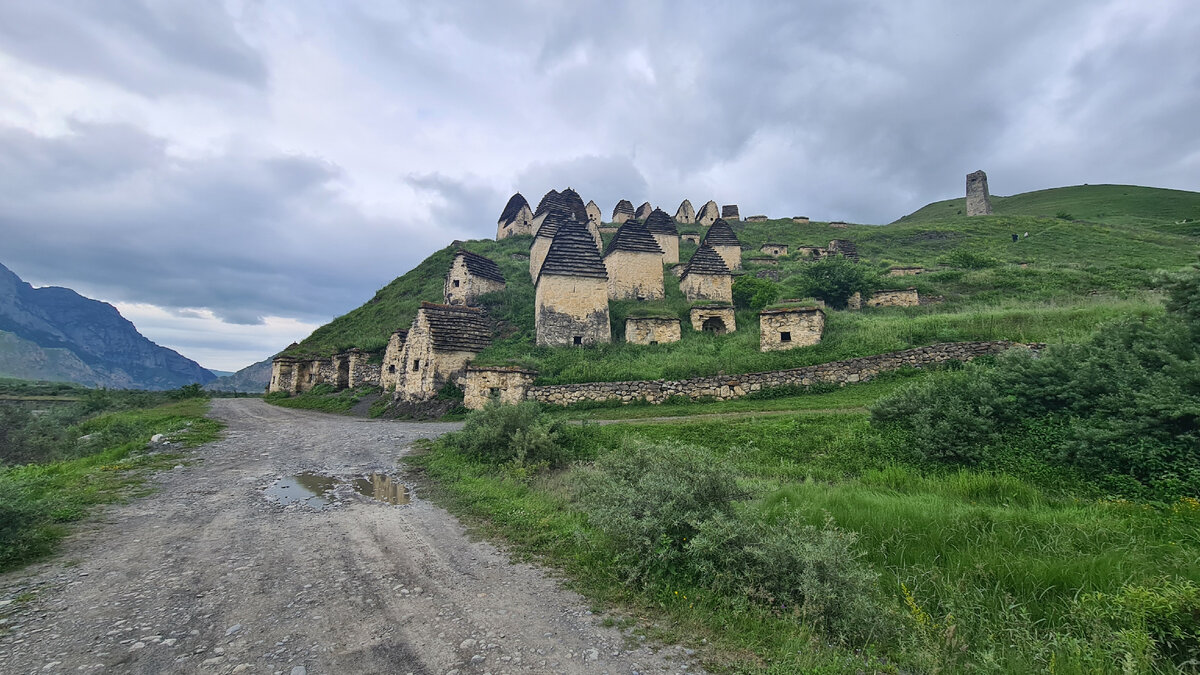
706,260
658,222
633,236
549,198
570,199
556,217
573,253
624,206
685,213
643,211
721,234
513,207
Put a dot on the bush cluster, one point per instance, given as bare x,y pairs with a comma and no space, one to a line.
510,433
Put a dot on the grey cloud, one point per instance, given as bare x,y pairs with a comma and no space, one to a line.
147,46
605,179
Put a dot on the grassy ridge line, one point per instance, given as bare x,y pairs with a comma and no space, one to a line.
39,501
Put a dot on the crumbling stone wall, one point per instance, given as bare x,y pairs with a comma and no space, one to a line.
719,319
283,371
521,223
461,287
782,329
425,369
571,311
907,297
634,275
650,330
774,249
508,385
392,368
692,238
802,220
709,213
905,271
717,287
814,252
979,201
685,214
594,215
362,371
728,387
756,219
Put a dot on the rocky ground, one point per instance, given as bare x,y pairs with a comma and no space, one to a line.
211,574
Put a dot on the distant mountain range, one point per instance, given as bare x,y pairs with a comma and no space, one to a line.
56,334
251,379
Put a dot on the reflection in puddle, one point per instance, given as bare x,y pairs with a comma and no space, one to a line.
382,487
304,488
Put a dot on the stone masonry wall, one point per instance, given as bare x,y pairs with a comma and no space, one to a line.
699,315
652,330
707,287
481,385
669,243
571,307
728,387
732,255
392,369
462,287
906,297
801,328
634,275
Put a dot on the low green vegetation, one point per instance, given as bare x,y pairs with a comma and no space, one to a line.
58,462
324,397
1014,515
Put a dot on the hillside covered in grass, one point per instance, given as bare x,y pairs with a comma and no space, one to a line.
1057,282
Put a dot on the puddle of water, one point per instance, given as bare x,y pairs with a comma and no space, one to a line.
382,487
305,488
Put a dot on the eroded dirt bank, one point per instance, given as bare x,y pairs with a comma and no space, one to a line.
207,575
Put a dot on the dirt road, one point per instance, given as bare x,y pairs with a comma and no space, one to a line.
211,575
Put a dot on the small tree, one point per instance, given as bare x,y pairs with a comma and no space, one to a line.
835,279
754,293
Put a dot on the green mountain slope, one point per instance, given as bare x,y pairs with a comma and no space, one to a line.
1055,284
1117,204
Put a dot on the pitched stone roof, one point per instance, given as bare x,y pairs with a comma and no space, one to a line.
549,198
685,213
573,202
480,266
721,234
730,211
706,260
658,222
623,206
633,236
455,328
710,208
644,210
513,207
556,217
573,253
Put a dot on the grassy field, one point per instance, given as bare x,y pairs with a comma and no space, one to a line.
98,460
1061,281
1010,567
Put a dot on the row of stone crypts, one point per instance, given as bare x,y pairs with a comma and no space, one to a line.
296,374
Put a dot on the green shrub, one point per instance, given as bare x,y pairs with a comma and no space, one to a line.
651,499
754,293
813,573
969,260
1147,626
835,279
509,433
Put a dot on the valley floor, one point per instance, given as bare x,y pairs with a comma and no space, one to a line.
208,575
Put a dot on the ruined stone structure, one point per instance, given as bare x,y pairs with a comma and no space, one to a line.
633,260
814,252
551,222
722,239
905,271
298,374
685,214
730,212
729,387
506,385
690,238
979,201
471,275
709,213
759,260
839,225
706,277
789,328
593,224
774,249
843,247
393,361
905,297
623,211
714,318
662,228
441,342
516,218
568,201
756,219
643,212
652,330
571,301
802,220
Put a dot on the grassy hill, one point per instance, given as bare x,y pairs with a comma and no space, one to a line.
1055,284
1116,204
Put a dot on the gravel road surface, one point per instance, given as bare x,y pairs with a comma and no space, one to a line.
211,574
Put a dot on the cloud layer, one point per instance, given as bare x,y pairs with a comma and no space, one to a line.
271,164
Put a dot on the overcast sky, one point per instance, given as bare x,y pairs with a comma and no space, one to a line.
232,175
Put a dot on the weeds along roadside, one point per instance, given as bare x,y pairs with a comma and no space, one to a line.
55,471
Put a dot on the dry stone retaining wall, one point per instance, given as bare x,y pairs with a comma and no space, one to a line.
728,387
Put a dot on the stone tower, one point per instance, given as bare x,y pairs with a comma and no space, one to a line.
571,297
723,240
634,263
685,215
643,212
622,212
663,229
709,213
706,277
515,219
979,202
